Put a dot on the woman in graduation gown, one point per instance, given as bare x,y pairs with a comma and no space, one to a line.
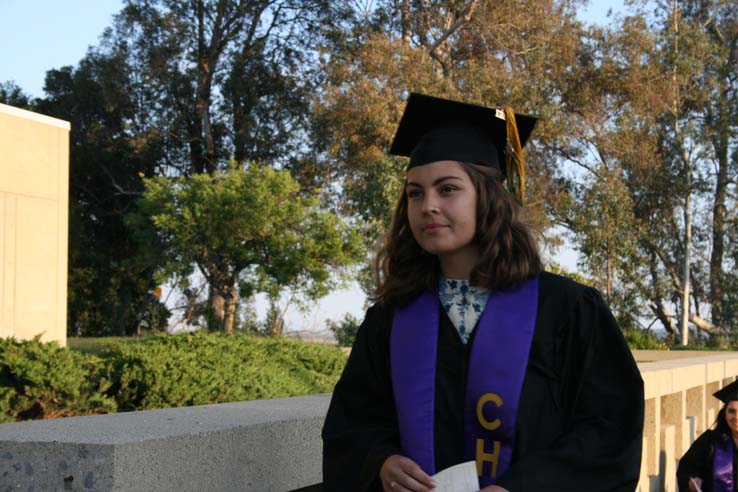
711,461
472,352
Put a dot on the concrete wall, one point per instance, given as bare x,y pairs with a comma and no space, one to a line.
34,203
261,446
274,445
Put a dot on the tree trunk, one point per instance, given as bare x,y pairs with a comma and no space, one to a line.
687,251
405,22
686,160
224,303
217,303
231,303
609,277
721,143
705,325
658,309
205,68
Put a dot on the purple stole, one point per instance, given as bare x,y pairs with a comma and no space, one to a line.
722,467
497,364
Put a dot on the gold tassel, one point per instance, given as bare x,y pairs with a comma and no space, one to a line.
515,165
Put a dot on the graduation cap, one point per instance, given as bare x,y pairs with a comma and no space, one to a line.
728,393
434,129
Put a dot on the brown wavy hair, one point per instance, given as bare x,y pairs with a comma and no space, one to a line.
508,252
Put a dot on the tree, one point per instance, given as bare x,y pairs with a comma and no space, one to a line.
656,111
245,230
225,78
479,51
345,330
111,147
13,95
605,226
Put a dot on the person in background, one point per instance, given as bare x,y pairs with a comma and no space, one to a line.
711,461
472,352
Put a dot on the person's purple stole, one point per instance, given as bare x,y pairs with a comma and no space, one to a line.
722,467
497,364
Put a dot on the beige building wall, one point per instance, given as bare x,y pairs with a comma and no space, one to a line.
34,205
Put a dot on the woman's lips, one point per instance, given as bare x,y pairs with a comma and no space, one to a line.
433,227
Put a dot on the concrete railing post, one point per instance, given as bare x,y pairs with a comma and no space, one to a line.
667,465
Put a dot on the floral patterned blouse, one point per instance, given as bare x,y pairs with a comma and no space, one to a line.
463,303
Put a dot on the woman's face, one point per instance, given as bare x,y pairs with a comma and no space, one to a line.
441,209
731,416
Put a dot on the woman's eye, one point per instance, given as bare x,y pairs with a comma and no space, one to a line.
448,189
414,194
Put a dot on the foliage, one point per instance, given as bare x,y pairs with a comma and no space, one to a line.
638,119
111,147
201,368
345,330
475,52
654,106
246,230
42,380
173,88
644,340
223,78
13,95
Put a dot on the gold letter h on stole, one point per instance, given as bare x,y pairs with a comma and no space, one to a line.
494,457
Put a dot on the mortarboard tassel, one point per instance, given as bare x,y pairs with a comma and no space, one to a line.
514,157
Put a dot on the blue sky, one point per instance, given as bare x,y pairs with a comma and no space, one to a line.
39,35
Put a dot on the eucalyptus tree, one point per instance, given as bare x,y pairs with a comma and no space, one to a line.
481,51
699,50
651,103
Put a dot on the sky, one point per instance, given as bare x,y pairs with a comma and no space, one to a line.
39,35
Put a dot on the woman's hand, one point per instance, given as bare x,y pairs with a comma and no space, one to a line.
693,481
401,474
494,488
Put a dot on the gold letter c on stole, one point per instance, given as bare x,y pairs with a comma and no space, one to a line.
482,456
487,397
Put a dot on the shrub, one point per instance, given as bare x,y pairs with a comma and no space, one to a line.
644,340
202,368
43,380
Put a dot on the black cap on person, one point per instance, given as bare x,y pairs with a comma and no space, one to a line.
434,129
728,393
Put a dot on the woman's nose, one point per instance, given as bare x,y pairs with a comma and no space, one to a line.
430,203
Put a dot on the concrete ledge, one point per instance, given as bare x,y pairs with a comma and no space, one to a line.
267,445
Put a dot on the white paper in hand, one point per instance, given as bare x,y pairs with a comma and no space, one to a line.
458,478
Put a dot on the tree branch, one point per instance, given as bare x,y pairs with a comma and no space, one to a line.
463,19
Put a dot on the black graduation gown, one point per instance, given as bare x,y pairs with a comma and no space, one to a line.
580,417
698,461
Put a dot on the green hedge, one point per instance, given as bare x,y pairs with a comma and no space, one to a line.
42,380
196,369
